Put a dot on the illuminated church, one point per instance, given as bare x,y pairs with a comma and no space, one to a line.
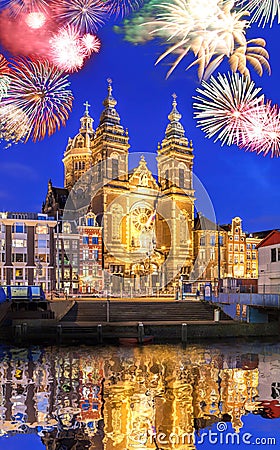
146,221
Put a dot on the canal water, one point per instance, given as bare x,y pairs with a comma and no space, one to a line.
151,397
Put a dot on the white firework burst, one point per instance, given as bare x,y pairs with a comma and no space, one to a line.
262,11
223,104
213,31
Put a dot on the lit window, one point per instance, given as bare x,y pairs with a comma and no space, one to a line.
19,243
66,243
85,271
42,229
19,274
66,228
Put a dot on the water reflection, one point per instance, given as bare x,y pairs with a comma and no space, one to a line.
124,398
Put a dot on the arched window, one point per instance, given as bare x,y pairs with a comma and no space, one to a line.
115,165
182,175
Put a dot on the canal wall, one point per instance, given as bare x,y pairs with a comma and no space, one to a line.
29,332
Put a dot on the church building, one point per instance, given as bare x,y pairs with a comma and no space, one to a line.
147,220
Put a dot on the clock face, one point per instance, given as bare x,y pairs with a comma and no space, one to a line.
140,217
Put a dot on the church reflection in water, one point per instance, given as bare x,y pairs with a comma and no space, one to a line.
123,398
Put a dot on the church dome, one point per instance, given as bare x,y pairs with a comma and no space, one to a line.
86,132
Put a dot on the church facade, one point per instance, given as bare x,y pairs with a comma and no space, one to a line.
147,220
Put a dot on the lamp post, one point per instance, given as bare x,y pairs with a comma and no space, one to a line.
219,258
57,252
163,272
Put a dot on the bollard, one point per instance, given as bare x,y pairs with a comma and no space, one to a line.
108,310
216,315
99,334
17,334
140,333
24,329
58,333
184,333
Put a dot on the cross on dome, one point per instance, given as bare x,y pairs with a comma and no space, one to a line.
87,105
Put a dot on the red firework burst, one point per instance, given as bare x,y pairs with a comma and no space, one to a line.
4,68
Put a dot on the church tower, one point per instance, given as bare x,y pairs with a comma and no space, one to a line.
175,170
78,154
111,141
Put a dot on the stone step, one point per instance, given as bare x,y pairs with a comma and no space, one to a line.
137,312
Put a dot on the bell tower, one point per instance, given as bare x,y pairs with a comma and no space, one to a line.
111,141
175,174
78,154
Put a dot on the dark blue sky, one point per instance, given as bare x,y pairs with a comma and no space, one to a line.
239,183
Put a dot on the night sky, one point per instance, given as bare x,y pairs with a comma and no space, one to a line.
239,183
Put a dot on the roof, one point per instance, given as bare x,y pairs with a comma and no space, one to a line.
272,239
203,223
259,234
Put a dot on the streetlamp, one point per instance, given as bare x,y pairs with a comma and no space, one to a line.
164,271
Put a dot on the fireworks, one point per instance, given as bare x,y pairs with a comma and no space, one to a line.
4,68
13,124
123,7
262,130
212,31
262,11
4,77
67,50
35,19
85,15
40,91
223,106
91,43
17,7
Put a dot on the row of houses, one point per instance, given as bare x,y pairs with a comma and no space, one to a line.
37,249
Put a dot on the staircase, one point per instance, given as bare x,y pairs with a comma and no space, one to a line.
185,311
